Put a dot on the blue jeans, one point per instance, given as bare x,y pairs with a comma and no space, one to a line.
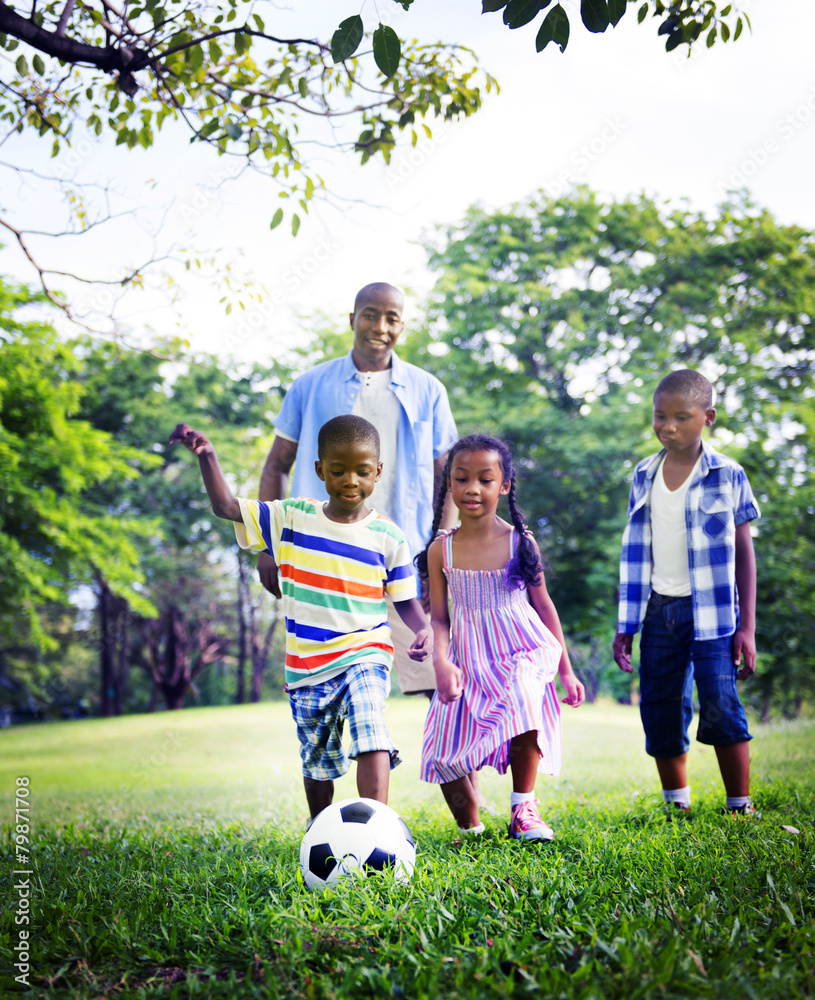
670,660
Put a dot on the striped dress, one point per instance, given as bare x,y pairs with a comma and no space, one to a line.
508,659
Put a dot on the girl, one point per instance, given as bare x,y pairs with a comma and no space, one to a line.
498,644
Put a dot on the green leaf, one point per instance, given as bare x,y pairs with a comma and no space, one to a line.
295,224
555,28
345,40
39,65
21,66
595,15
387,50
233,130
520,12
642,13
490,5
725,33
616,9
739,28
302,87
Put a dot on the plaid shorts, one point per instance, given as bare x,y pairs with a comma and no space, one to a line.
358,695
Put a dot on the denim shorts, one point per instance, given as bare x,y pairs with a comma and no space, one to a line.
358,694
670,661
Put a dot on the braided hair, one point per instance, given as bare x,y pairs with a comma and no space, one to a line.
529,569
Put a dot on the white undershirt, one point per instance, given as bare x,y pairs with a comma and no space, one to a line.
378,404
670,573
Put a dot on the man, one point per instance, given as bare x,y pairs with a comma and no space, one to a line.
409,408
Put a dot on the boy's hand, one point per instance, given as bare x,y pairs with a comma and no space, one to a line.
622,651
744,644
575,690
195,441
449,685
422,645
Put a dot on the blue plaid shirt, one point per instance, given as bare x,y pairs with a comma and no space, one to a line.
717,500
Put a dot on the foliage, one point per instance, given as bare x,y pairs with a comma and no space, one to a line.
52,538
554,320
185,883
683,22
221,72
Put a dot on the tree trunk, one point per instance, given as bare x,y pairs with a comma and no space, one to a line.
176,672
107,690
765,705
122,636
240,694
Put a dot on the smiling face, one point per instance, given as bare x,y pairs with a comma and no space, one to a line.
376,322
477,482
679,422
349,470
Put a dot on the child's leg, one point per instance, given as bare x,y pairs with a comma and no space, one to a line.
523,761
524,756
461,798
666,691
373,774
319,794
734,765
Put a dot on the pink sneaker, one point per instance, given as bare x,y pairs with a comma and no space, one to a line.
526,823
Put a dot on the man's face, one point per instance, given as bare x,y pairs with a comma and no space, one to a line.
377,323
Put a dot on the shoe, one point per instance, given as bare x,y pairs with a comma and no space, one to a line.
526,823
472,831
680,811
748,809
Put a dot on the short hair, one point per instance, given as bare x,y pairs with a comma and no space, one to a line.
374,287
347,429
690,384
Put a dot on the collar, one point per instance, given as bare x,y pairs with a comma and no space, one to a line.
398,369
711,459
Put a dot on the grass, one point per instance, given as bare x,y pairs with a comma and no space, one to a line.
164,852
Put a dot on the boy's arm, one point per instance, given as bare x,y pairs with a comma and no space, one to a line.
744,641
223,502
543,604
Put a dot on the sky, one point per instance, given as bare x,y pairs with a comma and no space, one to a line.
615,112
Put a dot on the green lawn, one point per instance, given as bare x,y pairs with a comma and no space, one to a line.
165,864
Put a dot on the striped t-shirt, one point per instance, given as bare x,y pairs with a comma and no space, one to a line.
333,578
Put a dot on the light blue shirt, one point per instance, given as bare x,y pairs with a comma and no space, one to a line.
426,432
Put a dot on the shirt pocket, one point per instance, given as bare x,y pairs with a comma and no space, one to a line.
716,513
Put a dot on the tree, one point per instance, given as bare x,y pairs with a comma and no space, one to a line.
683,22
220,72
51,538
552,323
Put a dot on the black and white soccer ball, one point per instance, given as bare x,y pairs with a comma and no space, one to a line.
358,837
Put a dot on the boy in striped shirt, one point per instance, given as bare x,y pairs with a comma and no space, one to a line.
336,560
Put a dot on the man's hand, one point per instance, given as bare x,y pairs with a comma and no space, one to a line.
195,441
267,571
622,651
744,644
422,645
449,686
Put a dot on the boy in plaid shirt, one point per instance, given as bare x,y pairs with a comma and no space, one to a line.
688,577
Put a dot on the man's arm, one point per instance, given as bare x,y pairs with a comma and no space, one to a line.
449,516
744,641
274,485
274,480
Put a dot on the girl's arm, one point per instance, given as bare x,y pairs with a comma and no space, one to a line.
547,612
223,502
448,676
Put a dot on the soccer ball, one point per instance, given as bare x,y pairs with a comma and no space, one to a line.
356,836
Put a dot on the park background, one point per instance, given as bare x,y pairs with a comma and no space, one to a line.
614,211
